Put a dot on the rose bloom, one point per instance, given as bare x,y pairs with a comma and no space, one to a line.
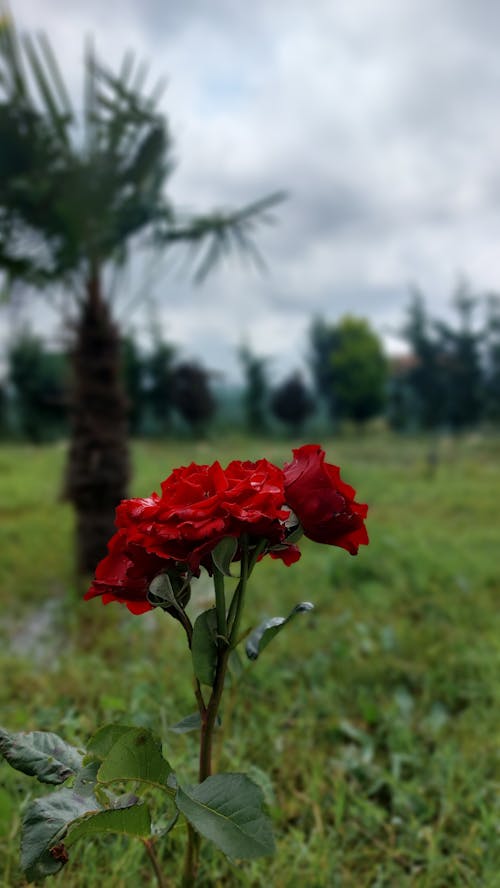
177,530
200,505
322,502
125,575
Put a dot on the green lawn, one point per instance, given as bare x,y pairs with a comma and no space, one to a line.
373,724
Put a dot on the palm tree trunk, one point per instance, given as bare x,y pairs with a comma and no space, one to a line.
98,461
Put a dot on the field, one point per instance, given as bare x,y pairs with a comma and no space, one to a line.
371,724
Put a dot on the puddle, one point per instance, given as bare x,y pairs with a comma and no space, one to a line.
37,635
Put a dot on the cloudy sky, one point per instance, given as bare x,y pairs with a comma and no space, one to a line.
380,119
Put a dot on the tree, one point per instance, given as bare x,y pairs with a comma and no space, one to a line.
75,196
446,374
461,358
349,367
38,379
401,408
256,391
359,371
292,402
426,375
321,343
133,379
492,359
192,397
159,374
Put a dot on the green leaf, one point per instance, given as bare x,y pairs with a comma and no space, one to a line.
204,647
134,820
263,634
295,535
163,828
85,780
45,824
235,664
171,593
137,755
161,591
101,743
191,723
223,554
227,809
40,754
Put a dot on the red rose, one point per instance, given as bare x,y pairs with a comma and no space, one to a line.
198,506
182,524
255,499
125,575
322,502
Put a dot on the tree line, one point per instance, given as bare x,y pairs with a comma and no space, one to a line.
449,378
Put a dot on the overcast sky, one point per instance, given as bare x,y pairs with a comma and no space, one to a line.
380,118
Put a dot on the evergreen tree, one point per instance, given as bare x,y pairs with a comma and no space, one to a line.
256,391
460,350
159,374
401,409
491,339
321,344
133,379
426,377
4,411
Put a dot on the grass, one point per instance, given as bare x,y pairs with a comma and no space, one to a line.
372,724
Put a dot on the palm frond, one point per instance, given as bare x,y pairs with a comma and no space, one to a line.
58,118
87,203
214,235
10,52
55,74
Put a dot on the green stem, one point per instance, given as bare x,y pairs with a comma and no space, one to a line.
240,595
208,719
255,555
199,697
208,714
209,711
236,600
220,603
188,628
208,723
186,625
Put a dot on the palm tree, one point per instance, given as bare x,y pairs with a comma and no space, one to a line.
76,193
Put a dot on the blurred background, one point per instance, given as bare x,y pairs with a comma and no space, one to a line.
377,121
227,229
